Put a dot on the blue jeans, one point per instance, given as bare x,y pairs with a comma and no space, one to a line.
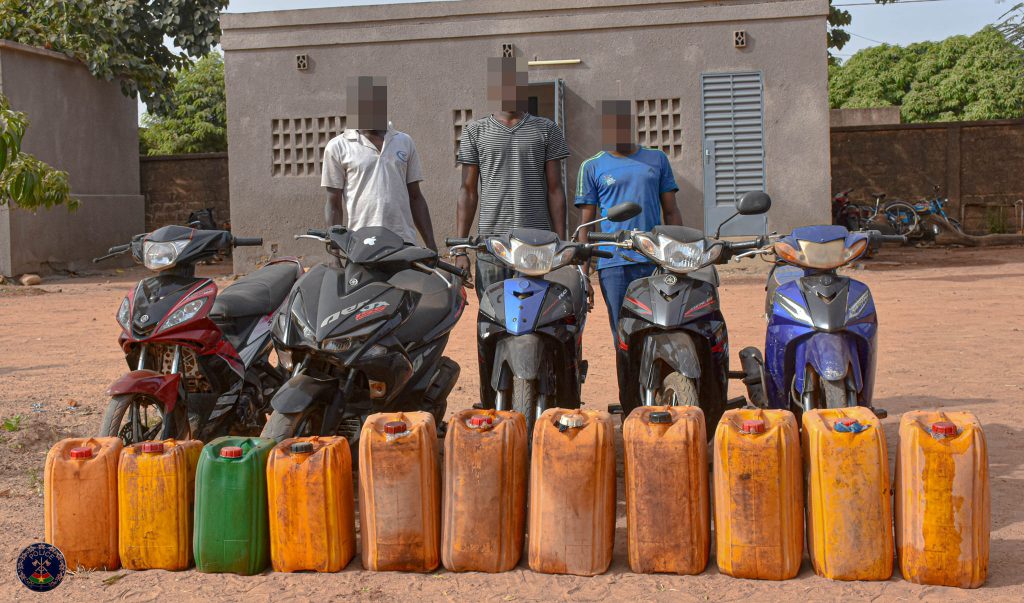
614,282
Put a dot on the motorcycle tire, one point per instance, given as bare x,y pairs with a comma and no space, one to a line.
678,390
113,420
834,393
524,401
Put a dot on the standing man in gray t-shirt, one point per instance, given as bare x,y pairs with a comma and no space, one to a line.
372,171
511,169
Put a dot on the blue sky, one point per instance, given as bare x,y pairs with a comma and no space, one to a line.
901,23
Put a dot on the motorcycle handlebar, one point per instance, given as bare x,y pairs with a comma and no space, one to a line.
317,233
459,272
454,241
878,238
603,237
601,253
741,246
113,251
247,241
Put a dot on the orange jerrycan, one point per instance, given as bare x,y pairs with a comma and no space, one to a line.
156,491
759,501
484,506
572,493
849,512
399,492
309,491
668,523
942,499
80,501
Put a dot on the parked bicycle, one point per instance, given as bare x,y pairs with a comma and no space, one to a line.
891,217
935,206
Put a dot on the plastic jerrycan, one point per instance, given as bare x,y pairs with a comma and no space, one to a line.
572,493
231,506
399,493
849,510
80,501
312,515
484,500
668,522
759,502
942,499
155,494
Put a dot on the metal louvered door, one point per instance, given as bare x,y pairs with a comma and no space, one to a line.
732,114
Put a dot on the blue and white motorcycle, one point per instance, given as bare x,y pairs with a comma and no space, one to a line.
530,326
822,332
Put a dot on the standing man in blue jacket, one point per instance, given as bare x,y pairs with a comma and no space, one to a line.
624,172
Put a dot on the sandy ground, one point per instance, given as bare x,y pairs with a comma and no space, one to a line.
951,328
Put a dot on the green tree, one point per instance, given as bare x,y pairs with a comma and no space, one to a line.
198,121
1012,24
24,180
837,20
961,78
121,40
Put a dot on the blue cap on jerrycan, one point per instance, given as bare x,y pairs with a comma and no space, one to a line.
849,425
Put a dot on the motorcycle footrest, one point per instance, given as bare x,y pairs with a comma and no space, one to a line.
615,409
737,402
881,413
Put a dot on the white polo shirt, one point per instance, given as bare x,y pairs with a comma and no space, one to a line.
375,182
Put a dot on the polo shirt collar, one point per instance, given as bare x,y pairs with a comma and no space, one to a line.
353,134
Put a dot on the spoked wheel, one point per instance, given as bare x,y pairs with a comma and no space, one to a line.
902,217
136,418
679,390
524,402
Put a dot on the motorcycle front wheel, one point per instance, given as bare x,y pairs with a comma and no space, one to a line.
128,417
679,390
283,425
524,402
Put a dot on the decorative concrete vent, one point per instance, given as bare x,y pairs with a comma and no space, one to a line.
659,125
302,62
299,142
739,39
460,117
508,51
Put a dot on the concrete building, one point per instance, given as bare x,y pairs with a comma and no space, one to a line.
734,91
87,128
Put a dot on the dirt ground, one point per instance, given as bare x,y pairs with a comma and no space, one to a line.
950,337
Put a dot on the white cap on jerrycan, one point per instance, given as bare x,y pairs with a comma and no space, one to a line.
571,421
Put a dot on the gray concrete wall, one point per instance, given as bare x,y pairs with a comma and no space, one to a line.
877,116
434,56
87,128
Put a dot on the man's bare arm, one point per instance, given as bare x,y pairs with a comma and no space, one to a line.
469,199
421,215
334,211
669,210
556,196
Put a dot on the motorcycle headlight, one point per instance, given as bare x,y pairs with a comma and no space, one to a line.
823,256
184,313
499,250
123,318
308,335
677,256
351,340
159,256
533,260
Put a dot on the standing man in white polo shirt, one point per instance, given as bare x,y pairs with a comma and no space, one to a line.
372,171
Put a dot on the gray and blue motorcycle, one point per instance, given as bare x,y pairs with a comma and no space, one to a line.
530,326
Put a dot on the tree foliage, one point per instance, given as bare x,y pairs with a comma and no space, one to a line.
837,20
1012,24
24,180
198,121
120,39
961,78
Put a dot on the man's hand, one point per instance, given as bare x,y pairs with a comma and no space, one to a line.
462,261
590,293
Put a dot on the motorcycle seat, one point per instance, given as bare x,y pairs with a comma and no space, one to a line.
256,294
435,302
569,277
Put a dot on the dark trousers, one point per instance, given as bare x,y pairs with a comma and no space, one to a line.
615,280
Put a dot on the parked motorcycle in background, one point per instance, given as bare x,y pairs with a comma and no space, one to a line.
365,337
673,340
822,332
530,326
201,360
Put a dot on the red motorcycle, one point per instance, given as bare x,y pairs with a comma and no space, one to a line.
201,360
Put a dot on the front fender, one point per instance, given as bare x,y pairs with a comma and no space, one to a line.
674,348
163,387
299,392
522,355
830,355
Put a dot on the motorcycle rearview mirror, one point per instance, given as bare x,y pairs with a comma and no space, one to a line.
623,212
753,203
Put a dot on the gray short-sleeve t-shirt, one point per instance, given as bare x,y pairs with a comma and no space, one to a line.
513,184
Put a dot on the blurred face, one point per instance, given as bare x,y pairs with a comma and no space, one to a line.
617,125
367,103
507,81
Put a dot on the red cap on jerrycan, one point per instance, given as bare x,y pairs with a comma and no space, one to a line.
81,453
944,428
752,426
231,452
395,427
153,447
480,420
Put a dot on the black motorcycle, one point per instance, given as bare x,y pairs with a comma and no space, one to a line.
201,359
530,326
366,336
673,340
